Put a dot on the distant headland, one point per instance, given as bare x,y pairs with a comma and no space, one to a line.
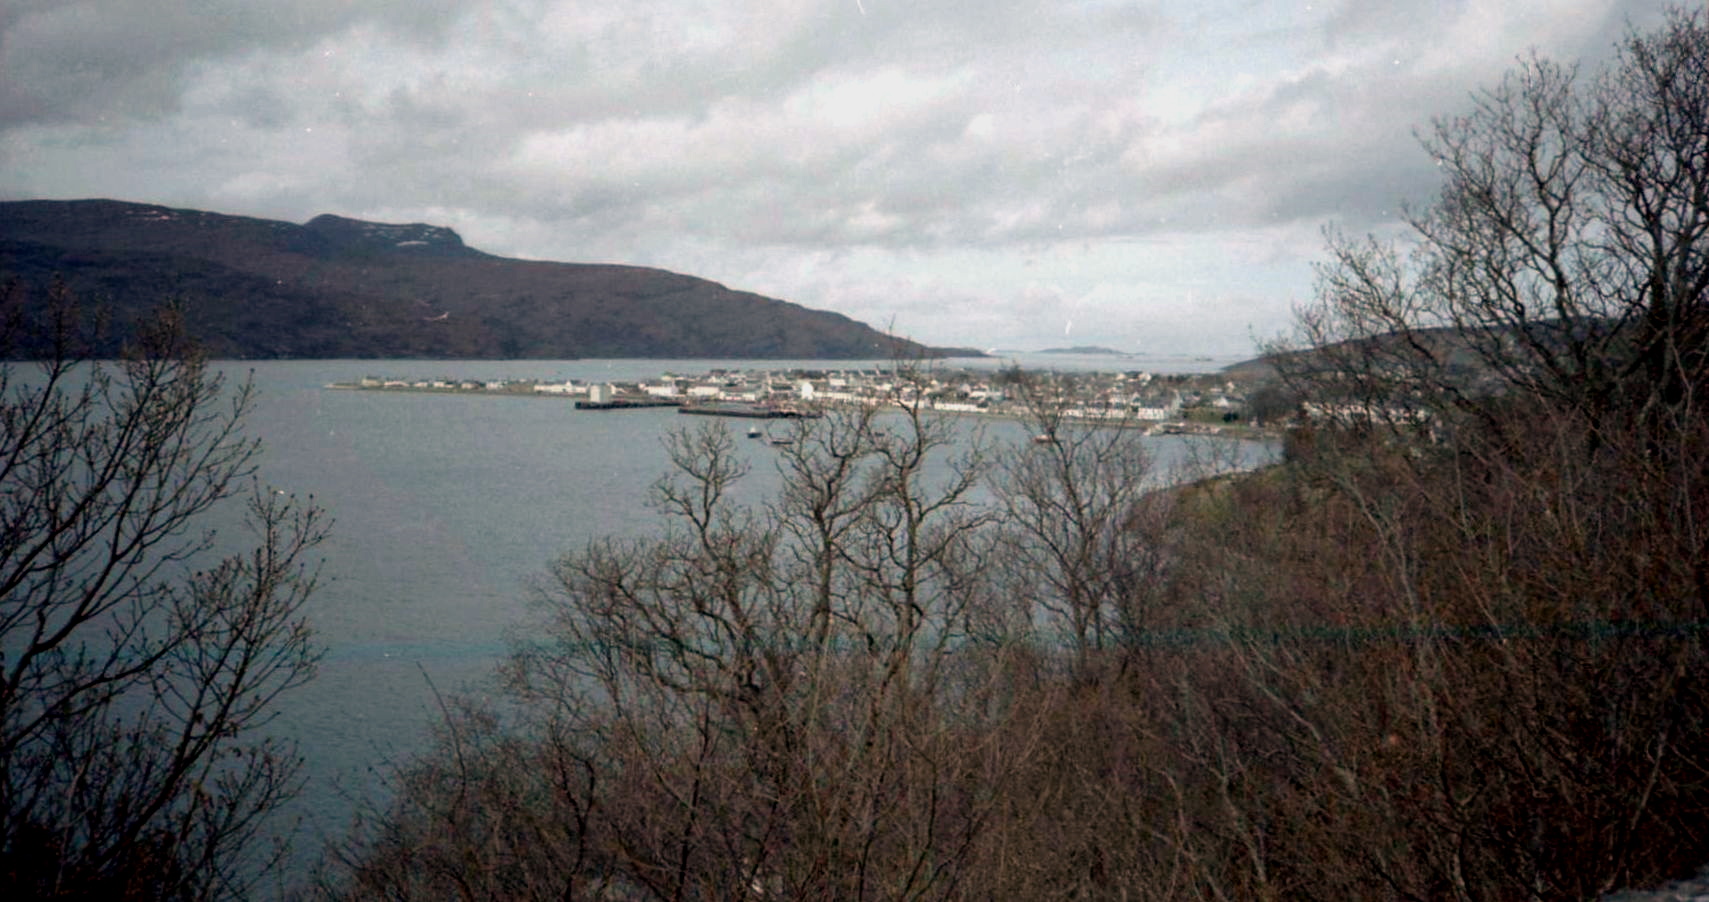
335,287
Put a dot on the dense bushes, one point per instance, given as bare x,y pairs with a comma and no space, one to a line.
1378,671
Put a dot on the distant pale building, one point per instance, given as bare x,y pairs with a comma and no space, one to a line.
1170,411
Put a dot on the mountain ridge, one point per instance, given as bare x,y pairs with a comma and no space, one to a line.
337,287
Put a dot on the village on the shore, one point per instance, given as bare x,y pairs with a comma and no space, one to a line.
1164,403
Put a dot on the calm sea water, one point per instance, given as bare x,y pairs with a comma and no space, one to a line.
446,507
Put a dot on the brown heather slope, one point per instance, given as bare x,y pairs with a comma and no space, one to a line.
336,287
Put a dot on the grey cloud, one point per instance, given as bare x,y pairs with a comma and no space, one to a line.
1569,29
87,59
1358,21
427,133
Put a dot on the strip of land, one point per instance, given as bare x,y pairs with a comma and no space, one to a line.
1165,403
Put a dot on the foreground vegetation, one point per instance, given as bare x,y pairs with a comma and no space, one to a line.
1452,647
140,653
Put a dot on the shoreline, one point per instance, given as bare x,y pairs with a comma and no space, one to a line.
630,401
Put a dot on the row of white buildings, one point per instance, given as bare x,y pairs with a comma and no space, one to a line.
1132,396
954,394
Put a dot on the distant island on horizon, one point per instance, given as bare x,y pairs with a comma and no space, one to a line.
1101,351
1087,350
335,287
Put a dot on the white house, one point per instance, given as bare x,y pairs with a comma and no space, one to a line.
1159,414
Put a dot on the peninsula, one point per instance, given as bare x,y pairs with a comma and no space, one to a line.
1199,402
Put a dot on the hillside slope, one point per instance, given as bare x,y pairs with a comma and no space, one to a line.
336,287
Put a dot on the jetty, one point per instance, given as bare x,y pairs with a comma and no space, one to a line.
627,403
749,411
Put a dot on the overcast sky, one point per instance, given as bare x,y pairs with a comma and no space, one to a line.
1020,174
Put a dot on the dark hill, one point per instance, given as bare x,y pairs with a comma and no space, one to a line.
336,287
1466,351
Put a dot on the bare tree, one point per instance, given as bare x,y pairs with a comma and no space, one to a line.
1074,501
777,675
804,698
1563,260
1500,514
136,667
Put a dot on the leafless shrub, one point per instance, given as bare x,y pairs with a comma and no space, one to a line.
131,687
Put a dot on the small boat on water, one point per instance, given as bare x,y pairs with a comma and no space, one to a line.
755,432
